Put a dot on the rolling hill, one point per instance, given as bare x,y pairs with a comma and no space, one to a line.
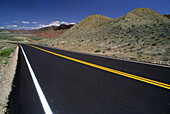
142,34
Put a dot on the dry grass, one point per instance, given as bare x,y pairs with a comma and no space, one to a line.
141,30
6,72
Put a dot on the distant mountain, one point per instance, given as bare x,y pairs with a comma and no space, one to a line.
17,31
140,31
55,28
52,31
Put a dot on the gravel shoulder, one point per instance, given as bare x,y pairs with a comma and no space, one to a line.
7,73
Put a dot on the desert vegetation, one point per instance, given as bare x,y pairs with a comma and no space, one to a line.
6,72
138,35
5,51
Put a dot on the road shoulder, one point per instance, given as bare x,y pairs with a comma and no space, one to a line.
7,74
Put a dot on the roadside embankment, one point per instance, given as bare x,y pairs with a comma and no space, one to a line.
7,72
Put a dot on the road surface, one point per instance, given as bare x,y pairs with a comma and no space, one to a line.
75,83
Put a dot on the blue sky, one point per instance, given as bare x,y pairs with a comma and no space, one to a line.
33,14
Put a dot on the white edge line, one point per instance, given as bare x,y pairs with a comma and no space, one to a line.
41,95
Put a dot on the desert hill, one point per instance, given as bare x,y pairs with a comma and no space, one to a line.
145,14
140,34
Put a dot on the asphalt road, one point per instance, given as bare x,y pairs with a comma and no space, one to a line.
72,87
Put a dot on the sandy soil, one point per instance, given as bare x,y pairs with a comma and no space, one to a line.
7,73
146,58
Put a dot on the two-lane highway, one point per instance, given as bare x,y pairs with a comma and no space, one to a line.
75,83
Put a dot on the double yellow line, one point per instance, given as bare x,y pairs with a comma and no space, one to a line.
146,80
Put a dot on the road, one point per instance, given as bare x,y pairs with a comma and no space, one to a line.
75,83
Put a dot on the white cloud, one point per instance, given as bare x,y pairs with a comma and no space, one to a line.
11,26
14,21
25,22
34,22
72,23
41,25
1,27
63,22
54,23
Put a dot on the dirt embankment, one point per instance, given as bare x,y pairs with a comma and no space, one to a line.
7,73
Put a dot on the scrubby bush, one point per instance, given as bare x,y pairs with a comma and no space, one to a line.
139,54
109,48
156,42
6,52
154,54
98,50
152,32
133,25
1,47
153,37
146,26
165,58
162,34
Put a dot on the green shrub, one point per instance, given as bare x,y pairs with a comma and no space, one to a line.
98,50
1,47
165,58
146,26
6,52
168,37
153,37
152,32
162,34
139,54
159,53
156,42
133,25
109,48
154,54
5,62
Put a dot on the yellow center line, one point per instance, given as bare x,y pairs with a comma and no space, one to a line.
139,78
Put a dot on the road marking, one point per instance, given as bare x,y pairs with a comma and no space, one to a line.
139,78
141,62
41,95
